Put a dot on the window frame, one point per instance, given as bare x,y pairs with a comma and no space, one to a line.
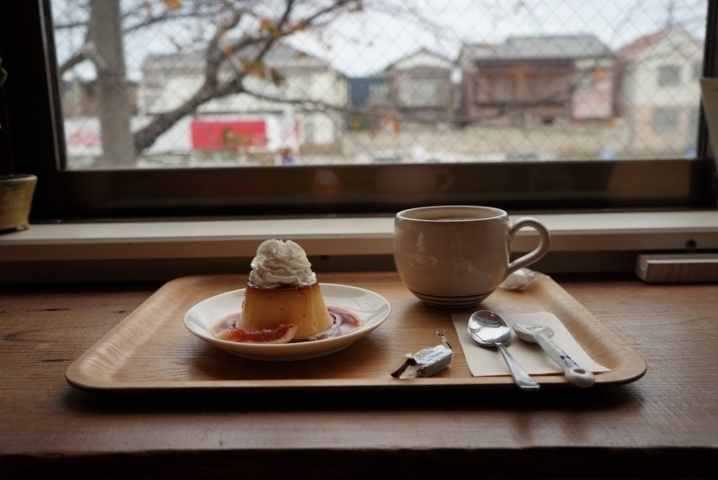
30,143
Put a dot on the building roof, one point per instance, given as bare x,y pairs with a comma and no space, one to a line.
635,48
563,47
280,56
421,56
645,44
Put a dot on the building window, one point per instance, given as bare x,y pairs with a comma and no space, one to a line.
669,75
697,70
377,93
418,92
665,119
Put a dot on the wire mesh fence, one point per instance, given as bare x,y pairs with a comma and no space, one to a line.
204,83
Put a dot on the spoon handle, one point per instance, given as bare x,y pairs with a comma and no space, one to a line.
573,372
521,378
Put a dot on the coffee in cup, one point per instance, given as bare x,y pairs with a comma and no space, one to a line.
455,256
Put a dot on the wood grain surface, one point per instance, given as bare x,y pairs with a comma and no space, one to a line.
663,425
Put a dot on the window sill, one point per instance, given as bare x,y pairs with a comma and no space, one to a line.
158,251
346,236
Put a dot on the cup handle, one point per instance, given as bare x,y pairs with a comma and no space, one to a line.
538,252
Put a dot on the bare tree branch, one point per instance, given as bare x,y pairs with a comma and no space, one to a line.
71,63
210,89
307,22
69,26
214,54
169,17
79,57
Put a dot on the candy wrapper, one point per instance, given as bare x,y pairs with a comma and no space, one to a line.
520,279
426,362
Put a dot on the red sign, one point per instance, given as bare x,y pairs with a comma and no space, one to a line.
229,135
83,137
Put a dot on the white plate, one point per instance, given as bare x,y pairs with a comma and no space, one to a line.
370,307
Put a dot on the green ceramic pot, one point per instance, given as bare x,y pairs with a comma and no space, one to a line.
15,200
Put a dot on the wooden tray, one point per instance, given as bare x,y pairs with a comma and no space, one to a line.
151,349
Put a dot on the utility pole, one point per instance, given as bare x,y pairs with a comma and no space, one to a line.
106,50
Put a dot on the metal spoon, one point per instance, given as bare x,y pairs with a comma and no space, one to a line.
490,330
540,334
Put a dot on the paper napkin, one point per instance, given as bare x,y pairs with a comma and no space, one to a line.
487,362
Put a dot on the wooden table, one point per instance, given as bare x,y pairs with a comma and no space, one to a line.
665,424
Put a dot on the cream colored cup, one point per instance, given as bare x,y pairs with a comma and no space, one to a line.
456,256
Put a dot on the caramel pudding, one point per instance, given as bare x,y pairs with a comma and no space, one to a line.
303,306
282,301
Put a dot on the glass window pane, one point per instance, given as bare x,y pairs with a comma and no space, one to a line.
193,83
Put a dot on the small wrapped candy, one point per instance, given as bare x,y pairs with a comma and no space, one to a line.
426,362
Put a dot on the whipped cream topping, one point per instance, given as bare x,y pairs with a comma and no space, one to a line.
281,264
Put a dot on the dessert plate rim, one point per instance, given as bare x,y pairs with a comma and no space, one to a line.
372,308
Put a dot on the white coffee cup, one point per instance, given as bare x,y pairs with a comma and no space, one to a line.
455,256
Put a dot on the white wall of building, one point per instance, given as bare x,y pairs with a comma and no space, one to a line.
662,119
642,86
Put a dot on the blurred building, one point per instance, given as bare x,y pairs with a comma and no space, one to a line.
660,93
273,117
420,86
542,79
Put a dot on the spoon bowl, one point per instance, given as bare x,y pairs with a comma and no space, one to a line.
528,331
541,334
488,329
